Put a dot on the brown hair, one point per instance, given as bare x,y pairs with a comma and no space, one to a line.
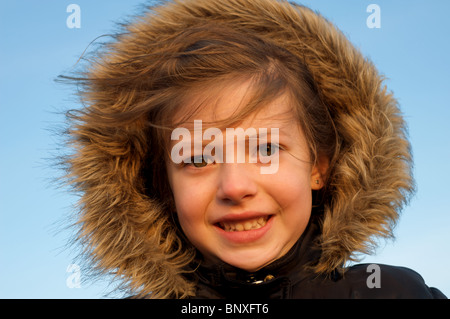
216,56
132,90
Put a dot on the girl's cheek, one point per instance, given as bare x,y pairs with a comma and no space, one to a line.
190,201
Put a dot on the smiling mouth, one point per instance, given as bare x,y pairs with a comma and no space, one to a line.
244,225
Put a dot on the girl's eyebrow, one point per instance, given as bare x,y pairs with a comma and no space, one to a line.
267,132
267,128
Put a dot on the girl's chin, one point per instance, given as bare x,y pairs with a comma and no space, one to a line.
253,259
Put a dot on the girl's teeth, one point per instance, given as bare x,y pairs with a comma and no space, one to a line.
247,225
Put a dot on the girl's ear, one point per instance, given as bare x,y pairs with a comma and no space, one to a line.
318,172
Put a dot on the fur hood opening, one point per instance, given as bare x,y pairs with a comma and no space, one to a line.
123,225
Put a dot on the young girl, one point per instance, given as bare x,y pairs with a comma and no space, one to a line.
316,170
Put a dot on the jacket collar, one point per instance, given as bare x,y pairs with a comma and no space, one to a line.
286,271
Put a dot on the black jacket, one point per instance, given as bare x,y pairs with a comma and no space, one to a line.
289,278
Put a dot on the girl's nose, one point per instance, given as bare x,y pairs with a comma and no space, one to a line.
235,183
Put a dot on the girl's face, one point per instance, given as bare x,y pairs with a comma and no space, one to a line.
230,211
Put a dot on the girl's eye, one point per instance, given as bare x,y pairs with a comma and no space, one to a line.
201,161
268,149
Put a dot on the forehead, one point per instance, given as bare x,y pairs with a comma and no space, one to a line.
228,104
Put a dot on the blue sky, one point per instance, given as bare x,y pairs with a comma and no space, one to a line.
410,49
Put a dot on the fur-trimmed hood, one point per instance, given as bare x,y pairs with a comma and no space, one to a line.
125,230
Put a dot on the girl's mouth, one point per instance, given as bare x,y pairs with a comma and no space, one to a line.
244,225
244,229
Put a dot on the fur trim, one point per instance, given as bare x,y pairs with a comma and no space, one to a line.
130,233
